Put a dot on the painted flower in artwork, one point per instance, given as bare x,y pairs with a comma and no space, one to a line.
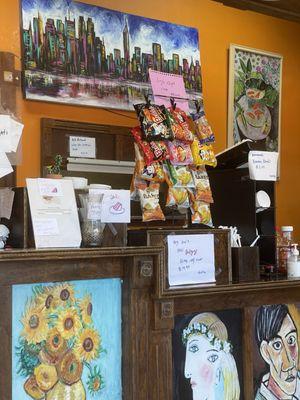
57,343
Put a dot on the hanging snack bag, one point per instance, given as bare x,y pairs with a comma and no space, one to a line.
203,129
154,122
201,213
136,184
177,198
149,198
180,125
180,153
153,172
178,176
152,151
201,180
203,155
169,173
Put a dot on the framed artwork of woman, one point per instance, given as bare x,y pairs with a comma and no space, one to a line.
207,355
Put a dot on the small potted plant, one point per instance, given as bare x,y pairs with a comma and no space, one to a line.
54,170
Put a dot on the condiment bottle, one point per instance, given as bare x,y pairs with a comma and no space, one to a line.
284,248
293,263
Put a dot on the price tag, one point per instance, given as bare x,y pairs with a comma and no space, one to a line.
82,147
263,165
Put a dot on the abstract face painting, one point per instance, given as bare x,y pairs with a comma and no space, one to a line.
209,367
277,341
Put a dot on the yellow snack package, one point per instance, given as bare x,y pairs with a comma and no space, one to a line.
177,198
201,213
203,154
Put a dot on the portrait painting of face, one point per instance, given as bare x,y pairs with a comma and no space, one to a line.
276,335
207,357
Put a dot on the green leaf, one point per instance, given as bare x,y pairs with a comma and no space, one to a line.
243,66
249,66
271,96
239,88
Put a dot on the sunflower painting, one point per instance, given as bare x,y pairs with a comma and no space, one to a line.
67,340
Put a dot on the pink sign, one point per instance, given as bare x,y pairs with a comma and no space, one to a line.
166,85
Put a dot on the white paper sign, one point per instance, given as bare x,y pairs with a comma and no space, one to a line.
5,136
50,187
116,206
5,165
191,259
54,218
10,133
81,146
263,165
45,227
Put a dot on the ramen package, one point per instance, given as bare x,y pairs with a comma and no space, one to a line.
201,213
154,122
202,186
203,154
180,153
203,129
177,198
149,198
180,125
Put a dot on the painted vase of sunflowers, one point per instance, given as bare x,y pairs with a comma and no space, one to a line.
57,343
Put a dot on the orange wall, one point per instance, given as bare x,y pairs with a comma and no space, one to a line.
218,27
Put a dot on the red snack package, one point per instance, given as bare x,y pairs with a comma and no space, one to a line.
180,153
152,151
180,125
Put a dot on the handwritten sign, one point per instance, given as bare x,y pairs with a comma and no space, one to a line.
166,85
191,259
82,147
116,206
10,133
263,165
45,227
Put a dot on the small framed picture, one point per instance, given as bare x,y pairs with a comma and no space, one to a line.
254,97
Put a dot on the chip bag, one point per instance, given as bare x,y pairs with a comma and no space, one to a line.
177,197
203,155
203,129
178,176
151,151
202,190
153,172
149,198
180,125
180,153
154,122
201,213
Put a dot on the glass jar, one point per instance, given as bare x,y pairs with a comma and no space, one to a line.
92,232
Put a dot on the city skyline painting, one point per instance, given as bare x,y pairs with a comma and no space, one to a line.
76,53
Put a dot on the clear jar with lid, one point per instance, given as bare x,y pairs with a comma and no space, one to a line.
284,248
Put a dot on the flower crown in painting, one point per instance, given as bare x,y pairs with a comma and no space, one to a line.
202,329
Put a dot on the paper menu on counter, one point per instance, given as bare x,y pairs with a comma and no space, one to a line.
263,165
191,259
54,218
165,86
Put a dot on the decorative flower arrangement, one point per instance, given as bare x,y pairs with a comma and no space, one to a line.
57,342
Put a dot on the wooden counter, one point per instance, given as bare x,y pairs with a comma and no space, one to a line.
148,313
